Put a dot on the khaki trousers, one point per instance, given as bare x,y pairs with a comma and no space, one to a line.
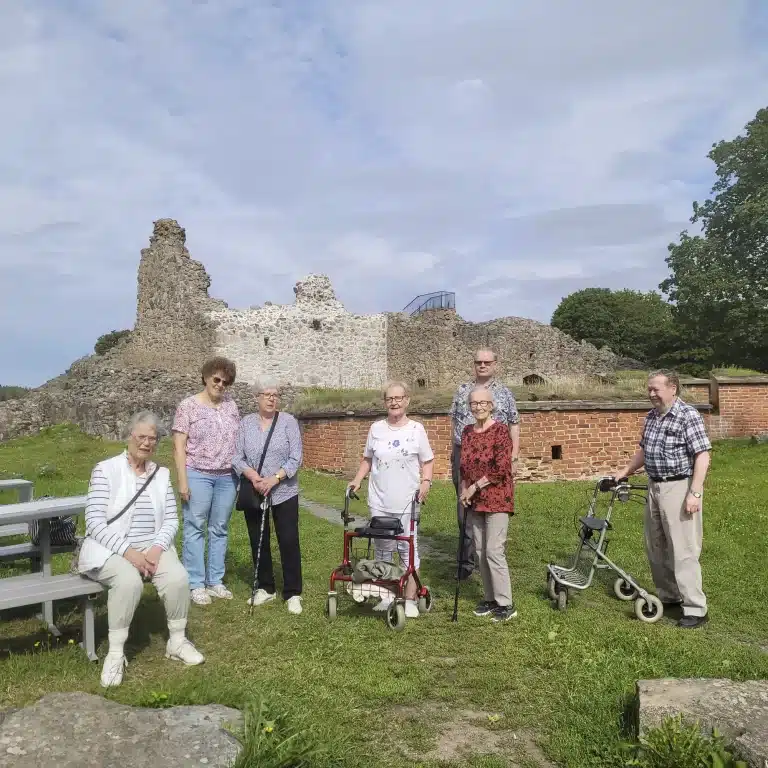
489,531
125,587
673,540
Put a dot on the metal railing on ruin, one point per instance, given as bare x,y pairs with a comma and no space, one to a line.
427,301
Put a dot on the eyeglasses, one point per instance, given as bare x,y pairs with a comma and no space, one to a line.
269,395
395,400
223,382
481,404
484,362
144,439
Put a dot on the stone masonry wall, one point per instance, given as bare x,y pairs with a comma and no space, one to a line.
173,331
435,349
313,342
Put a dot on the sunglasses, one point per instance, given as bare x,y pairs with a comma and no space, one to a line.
484,362
223,382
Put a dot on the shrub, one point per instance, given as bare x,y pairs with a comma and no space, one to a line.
12,393
108,340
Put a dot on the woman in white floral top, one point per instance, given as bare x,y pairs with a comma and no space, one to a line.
400,461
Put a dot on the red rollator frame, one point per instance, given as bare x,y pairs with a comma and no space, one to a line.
389,529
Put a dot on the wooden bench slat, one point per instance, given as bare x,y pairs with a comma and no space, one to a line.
18,591
29,550
17,529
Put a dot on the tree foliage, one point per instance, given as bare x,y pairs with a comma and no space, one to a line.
108,340
719,280
8,392
631,323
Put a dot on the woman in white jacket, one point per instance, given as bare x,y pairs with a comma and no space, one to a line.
131,522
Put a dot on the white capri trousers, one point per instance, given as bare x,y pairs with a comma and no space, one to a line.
384,549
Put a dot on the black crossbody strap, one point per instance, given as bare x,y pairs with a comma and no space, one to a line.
266,442
136,496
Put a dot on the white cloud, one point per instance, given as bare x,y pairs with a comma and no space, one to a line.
511,152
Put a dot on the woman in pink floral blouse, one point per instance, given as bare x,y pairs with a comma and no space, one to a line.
204,431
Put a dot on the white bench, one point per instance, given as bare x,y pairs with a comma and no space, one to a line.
19,591
24,489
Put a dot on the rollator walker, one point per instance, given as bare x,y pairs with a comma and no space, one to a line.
590,556
378,528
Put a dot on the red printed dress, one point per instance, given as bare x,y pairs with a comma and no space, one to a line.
489,454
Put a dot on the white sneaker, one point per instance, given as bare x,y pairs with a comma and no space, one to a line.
219,591
411,609
383,604
200,596
261,597
294,605
184,652
112,671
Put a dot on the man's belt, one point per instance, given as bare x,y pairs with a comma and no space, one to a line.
668,479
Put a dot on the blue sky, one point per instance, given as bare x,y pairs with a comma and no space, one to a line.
510,151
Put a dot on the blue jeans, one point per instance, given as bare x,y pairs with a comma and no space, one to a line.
211,498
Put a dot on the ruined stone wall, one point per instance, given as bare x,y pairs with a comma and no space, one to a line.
435,349
173,331
313,342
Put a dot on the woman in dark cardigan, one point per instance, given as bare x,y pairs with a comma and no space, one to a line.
488,494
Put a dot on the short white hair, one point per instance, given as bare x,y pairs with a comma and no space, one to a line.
482,388
144,417
266,382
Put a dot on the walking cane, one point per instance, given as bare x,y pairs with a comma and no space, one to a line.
459,561
266,505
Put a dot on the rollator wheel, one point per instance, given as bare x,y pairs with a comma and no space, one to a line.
562,599
624,590
551,587
425,602
649,609
331,604
396,616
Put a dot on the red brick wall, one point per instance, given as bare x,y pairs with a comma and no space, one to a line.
594,438
741,409
592,442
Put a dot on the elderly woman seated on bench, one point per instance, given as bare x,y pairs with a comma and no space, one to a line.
131,522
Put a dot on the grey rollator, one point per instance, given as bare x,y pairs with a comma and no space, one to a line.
590,556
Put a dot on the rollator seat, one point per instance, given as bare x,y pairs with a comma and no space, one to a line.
381,528
594,523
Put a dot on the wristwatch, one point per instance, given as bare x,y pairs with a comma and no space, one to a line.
695,494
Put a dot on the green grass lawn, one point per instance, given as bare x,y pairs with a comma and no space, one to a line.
382,698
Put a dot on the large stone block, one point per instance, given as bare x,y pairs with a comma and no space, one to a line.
78,730
739,710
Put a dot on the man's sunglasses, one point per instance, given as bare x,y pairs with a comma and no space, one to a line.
484,362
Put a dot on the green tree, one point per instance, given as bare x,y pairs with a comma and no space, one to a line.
631,323
108,340
719,280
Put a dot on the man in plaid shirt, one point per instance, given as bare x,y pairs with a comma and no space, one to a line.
675,451
505,411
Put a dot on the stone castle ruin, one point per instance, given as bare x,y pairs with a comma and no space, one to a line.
313,342
316,342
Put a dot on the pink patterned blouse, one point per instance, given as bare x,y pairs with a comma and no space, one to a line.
210,433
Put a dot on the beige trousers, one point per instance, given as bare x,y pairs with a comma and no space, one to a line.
126,585
489,531
673,541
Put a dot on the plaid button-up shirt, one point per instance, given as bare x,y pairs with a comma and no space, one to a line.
505,410
670,442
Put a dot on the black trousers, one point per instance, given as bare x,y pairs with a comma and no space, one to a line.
285,517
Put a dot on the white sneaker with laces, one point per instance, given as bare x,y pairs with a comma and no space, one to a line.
261,597
219,591
411,609
294,605
112,671
200,596
184,652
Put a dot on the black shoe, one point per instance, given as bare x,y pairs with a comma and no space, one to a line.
691,622
504,612
484,607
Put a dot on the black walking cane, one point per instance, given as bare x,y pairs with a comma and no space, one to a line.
459,562
266,506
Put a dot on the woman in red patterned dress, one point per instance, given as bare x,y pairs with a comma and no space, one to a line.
488,494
